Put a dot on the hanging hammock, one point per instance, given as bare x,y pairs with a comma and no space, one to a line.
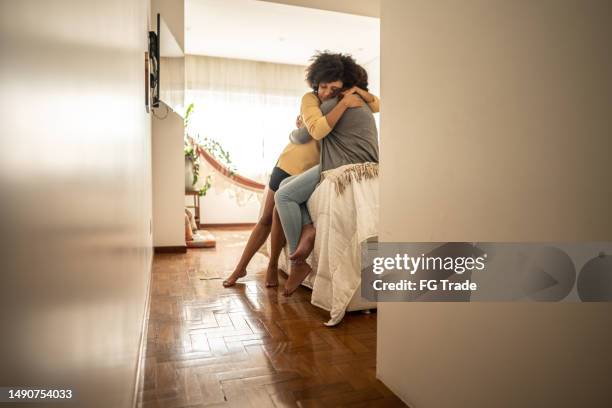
235,178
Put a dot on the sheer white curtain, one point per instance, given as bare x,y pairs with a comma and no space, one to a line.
248,106
172,82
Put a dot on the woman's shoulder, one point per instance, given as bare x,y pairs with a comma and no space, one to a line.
310,98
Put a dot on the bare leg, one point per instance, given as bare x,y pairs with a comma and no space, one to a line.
306,243
256,240
299,272
277,243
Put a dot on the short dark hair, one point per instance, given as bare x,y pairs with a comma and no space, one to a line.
354,74
362,81
324,67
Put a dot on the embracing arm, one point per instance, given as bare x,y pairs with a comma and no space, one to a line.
374,104
319,126
372,100
300,136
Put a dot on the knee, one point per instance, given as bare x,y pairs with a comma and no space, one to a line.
266,220
280,196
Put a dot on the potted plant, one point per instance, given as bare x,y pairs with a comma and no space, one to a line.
192,157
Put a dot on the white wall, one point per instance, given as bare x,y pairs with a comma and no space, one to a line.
219,207
373,69
495,126
168,179
75,212
172,12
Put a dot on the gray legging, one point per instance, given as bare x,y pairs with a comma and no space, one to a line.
290,199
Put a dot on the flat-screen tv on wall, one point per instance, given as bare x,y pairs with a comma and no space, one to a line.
154,65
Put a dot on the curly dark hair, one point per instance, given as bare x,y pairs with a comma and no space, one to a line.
329,67
362,81
324,67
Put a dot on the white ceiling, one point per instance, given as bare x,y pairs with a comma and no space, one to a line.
360,7
263,31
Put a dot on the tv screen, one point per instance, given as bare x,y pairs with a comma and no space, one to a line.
154,65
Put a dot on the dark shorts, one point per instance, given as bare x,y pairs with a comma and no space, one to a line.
276,177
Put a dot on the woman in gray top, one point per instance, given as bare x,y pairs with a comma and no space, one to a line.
353,140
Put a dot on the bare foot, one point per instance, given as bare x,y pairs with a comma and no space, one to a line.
231,280
299,272
272,276
306,244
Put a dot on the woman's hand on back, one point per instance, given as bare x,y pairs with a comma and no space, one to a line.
368,97
352,100
350,91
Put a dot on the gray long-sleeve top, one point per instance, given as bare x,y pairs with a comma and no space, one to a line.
353,140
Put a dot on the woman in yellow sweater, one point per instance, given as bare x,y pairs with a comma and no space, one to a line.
326,76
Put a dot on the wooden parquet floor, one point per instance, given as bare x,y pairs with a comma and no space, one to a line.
248,346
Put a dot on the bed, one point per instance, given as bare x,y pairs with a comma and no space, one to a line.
344,209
